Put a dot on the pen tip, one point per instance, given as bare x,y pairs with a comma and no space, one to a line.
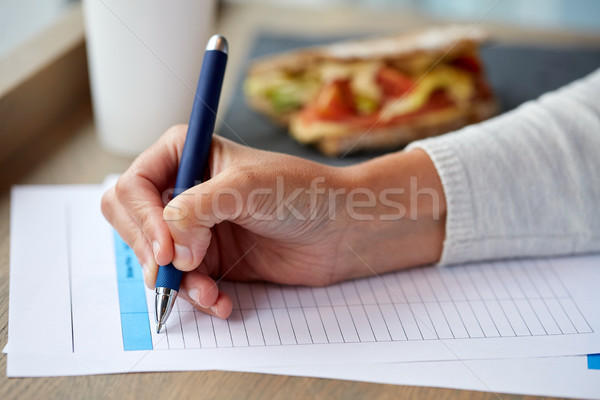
158,326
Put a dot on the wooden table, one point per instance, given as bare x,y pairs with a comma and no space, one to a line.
69,153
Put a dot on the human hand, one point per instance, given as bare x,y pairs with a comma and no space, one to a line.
274,217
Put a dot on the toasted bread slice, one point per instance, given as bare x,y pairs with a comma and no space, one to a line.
415,48
344,139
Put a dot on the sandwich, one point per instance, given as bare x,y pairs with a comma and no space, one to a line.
375,94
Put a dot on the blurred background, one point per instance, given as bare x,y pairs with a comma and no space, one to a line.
47,127
20,19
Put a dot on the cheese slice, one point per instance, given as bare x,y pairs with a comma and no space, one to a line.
458,85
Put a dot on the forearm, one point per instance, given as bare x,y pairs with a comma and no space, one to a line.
405,226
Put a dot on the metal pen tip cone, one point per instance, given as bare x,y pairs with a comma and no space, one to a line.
163,303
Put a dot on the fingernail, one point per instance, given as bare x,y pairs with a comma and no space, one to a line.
193,295
183,255
146,272
214,309
156,248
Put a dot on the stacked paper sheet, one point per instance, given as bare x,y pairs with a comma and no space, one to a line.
504,326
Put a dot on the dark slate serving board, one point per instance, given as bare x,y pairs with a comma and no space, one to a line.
517,74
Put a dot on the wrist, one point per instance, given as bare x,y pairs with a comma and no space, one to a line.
395,211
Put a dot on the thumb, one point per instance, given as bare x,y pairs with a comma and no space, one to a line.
191,215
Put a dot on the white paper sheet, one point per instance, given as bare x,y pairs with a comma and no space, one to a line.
65,316
548,376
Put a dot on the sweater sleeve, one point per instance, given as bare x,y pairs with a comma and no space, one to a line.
526,183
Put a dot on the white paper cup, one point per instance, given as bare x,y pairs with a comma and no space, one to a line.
144,58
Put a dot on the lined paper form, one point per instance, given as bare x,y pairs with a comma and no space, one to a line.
62,250
523,298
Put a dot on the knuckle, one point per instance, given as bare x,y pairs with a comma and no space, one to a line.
323,280
174,138
106,203
177,129
175,133
177,212
220,145
145,222
140,245
122,187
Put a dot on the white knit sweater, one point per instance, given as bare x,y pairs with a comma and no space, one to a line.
526,183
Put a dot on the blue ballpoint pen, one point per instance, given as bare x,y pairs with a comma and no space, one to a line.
194,157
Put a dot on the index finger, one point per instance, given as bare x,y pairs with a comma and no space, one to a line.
140,190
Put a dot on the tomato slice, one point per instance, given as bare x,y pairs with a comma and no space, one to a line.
467,63
335,101
439,100
393,83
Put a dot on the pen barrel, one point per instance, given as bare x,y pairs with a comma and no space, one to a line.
202,122
194,158
168,277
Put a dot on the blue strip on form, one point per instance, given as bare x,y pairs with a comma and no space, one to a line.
593,361
135,322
